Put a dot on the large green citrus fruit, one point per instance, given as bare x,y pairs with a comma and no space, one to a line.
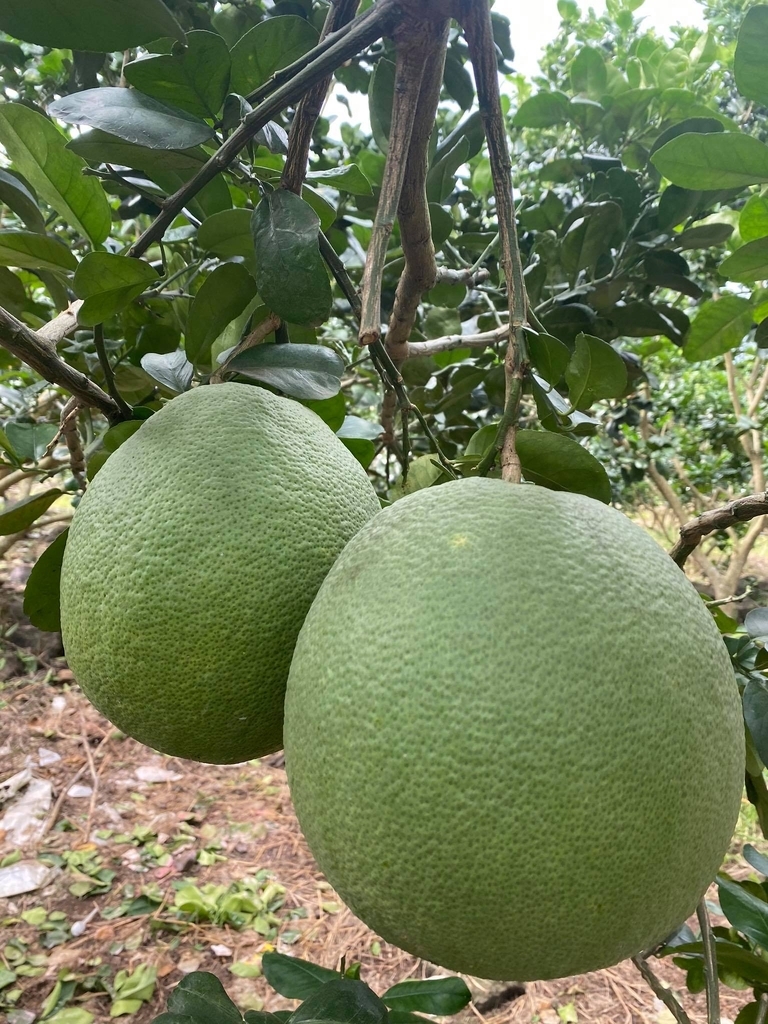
192,561
513,734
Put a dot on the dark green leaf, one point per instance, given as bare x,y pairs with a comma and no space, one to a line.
441,179
100,147
362,449
37,252
295,978
458,81
212,198
197,79
263,1017
119,434
173,1018
345,178
718,327
732,957
201,995
756,623
438,996
713,161
549,355
15,194
589,235
761,334
558,462
29,440
753,219
381,90
132,116
109,283
544,110
267,47
595,371
223,296
748,263
749,64
342,1000
290,273
98,25
589,74
755,859
747,1014
703,236
41,594
172,369
37,149
12,293
746,912
21,515
301,371
702,125
756,714
227,234
332,411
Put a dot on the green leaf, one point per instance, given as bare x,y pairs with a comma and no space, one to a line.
223,296
15,194
119,434
28,439
109,283
268,47
746,912
753,219
748,263
18,517
730,956
41,594
342,1000
212,198
301,371
197,79
438,996
558,462
703,236
756,713
98,147
544,110
589,235
227,234
34,251
122,1007
755,859
756,623
201,996
172,369
295,978
98,25
718,327
12,293
331,411
381,90
749,64
132,116
589,75
71,1015
595,371
713,161
549,355
38,150
458,81
290,274
441,179
702,125
346,178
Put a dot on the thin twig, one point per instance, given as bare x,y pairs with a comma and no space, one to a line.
478,28
710,964
106,369
762,1009
256,337
733,599
450,342
739,511
662,993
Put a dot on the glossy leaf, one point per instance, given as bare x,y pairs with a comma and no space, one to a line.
223,296
595,371
227,234
440,997
749,64
560,463
301,371
109,283
756,713
132,116
755,859
590,235
549,355
753,219
171,369
290,273
702,125
294,978
719,326
15,194
544,110
41,594
346,178
38,150
98,147
381,90
342,1000
19,516
746,912
197,79
34,251
201,995
713,161
748,263
756,623
268,47
98,25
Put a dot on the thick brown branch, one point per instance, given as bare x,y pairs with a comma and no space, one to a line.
38,353
450,342
325,58
740,511
420,272
476,21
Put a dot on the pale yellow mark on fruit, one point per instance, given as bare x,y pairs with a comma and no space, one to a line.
459,540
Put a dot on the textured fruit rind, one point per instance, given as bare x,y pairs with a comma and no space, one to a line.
513,733
191,563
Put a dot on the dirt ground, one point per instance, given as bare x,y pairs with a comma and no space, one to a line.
156,867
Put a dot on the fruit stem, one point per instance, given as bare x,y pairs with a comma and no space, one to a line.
662,993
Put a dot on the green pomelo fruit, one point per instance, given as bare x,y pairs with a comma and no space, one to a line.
192,561
513,734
